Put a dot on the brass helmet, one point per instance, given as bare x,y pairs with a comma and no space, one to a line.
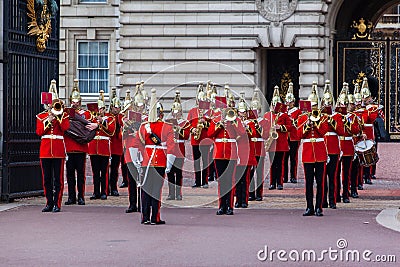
256,100
177,106
351,99
275,97
138,99
209,89
127,102
53,89
75,94
343,99
115,102
289,95
101,102
313,97
327,98
214,93
143,92
201,96
230,101
365,93
227,91
242,106
357,94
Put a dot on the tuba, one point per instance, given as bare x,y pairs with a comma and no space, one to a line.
199,126
273,134
230,114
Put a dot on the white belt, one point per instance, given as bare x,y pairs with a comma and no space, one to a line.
52,136
255,139
331,133
368,125
313,140
97,137
225,140
347,138
179,141
156,147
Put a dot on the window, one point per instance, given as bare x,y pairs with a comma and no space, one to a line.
93,66
92,1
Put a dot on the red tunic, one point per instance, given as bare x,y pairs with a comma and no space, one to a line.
181,134
246,144
259,142
314,149
193,118
52,144
225,146
294,114
146,146
352,127
285,123
100,145
70,144
116,139
335,129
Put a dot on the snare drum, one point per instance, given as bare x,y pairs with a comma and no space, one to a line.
366,152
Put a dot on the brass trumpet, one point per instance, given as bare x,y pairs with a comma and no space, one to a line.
200,126
273,134
230,114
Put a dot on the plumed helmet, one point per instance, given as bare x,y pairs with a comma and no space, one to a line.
289,95
138,98
75,94
351,99
242,105
256,100
313,97
53,89
357,94
275,97
101,102
177,106
143,92
127,102
327,98
115,102
343,98
201,96
365,92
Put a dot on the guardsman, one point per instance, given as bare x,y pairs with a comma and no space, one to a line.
225,130
181,133
199,140
336,129
257,182
351,128
99,149
50,126
246,154
277,126
294,141
312,127
127,105
77,152
155,141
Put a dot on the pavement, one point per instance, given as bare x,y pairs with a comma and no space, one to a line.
101,233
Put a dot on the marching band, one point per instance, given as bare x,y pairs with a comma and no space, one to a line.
338,148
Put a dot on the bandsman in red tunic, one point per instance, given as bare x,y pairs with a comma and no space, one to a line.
294,140
116,143
336,129
155,141
77,152
50,126
312,127
277,126
257,173
181,133
225,130
99,149
246,155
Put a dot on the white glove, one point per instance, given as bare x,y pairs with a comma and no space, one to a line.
170,162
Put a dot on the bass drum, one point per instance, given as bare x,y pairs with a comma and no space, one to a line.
366,152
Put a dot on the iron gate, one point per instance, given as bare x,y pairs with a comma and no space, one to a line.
27,72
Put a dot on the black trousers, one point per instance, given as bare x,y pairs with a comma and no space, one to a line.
151,193
354,174
293,155
331,179
277,166
211,168
242,184
257,181
115,161
76,162
124,170
53,180
175,178
100,174
314,170
225,170
133,178
201,174
346,163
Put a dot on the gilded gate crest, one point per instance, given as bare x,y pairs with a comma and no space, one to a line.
40,24
276,10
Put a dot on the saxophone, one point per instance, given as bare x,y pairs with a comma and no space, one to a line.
199,126
273,134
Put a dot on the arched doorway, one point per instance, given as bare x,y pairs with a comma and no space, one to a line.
361,49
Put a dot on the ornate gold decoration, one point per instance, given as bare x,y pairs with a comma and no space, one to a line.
364,30
359,78
285,80
40,25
